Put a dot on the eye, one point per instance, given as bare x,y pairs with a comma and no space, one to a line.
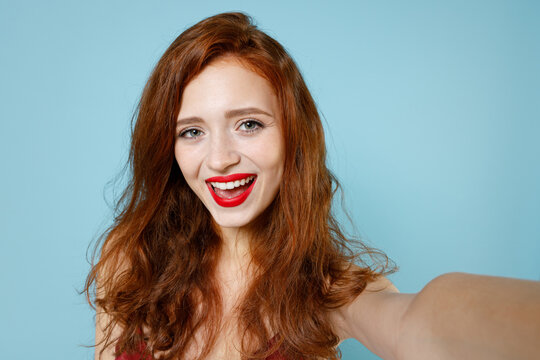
250,126
190,133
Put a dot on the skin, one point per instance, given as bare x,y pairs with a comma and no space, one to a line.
455,316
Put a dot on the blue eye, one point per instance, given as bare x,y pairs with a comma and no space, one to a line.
191,133
251,126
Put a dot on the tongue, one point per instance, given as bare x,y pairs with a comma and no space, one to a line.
229,194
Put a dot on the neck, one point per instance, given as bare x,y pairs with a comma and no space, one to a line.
235,246
233,268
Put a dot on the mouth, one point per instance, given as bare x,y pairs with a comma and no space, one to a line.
232,190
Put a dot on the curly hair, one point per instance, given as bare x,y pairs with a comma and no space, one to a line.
155,274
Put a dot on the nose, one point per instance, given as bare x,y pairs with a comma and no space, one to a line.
222,153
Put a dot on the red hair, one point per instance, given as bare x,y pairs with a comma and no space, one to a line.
156,267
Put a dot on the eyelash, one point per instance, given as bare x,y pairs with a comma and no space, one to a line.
258,125
184,132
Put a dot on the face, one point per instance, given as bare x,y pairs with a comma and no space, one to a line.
229,143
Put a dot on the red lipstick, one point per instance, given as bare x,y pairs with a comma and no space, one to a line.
235,201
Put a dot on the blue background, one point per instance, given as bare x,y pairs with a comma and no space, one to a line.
432,112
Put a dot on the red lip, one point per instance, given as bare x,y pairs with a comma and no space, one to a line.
235,201
232,177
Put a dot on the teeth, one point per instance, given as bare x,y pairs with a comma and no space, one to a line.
232,184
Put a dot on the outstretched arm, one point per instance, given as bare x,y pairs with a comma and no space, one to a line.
465,316
455,316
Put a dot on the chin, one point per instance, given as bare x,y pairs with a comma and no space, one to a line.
231,221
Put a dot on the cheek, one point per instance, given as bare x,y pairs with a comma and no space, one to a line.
271,159
277,157
268,158
187,165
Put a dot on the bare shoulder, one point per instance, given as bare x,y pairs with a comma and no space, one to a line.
112,265
373,317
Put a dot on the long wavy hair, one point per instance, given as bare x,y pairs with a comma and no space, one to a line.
155,274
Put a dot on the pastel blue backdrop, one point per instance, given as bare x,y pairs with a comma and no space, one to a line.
432,111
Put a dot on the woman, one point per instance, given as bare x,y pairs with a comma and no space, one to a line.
225,246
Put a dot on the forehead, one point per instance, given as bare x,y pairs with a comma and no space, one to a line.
226,84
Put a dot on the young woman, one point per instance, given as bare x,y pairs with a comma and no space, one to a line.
225,246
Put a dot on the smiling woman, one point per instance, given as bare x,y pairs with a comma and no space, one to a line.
225,246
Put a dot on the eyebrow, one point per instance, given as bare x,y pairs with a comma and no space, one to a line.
229,114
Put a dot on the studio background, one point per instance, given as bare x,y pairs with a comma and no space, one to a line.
431,109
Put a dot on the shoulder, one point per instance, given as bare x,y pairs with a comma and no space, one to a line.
113,259
112,264
371,301
373,317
